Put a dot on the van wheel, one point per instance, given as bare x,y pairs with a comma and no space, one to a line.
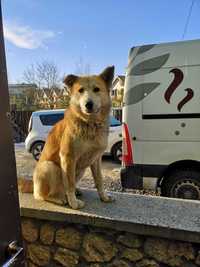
117,152
182,184
36,150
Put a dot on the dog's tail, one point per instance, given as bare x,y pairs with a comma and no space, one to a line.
25,185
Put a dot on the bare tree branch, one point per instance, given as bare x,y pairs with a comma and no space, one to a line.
82,68
29,74
44,74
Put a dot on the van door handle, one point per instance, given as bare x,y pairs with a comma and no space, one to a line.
15,252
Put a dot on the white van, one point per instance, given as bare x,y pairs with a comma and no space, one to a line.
161,118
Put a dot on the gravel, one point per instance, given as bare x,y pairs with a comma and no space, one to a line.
111,170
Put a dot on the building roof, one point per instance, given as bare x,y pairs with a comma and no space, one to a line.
47,92
22,85
122,77
57,91
18,88
39,93
118,78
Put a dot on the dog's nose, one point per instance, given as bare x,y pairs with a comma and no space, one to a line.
89,105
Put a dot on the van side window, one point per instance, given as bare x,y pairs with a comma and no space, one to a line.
51,119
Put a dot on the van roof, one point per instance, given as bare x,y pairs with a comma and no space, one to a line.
147,59
50,111
168,43
47,111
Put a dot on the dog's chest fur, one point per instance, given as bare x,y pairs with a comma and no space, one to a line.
90,141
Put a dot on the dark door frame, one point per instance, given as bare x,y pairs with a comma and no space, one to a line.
10,225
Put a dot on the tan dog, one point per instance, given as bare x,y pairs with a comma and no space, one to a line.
76,142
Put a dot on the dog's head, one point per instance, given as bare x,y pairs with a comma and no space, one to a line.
90,95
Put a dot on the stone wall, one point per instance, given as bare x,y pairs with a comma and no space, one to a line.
51,243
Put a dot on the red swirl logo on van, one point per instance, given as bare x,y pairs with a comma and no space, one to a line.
178,78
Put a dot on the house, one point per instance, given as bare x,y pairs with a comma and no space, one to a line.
117,91
20,95
52,98
56,95
20,88
43,98
39,96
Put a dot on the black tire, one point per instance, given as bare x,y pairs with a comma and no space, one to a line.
182,184
117,152
36,149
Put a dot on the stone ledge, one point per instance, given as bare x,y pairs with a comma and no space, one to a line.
145,215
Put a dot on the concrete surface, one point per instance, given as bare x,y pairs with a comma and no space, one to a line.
147,215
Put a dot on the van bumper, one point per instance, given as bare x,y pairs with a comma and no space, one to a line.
132,176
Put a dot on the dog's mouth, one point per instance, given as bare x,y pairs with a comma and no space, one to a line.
91,112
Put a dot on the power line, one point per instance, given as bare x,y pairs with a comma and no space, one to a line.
188,19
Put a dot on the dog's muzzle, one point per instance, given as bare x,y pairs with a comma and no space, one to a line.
89,106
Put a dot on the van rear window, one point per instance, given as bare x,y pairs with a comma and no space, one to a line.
51,119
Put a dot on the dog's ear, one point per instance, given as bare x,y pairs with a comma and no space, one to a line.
107,75
69,80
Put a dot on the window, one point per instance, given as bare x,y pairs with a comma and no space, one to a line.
51,119
114,122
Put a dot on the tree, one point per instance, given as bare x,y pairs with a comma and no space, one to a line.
82,68
29,75
44,74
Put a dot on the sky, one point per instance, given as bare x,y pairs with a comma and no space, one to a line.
91,32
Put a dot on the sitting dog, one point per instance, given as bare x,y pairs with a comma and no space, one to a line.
76,142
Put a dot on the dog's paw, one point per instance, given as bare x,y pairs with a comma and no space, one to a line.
64,201
107,198
81,204
58,201
78,204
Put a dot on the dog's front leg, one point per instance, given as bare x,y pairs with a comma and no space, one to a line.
68,165
98,179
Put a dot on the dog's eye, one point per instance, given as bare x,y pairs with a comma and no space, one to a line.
81,90
96,89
